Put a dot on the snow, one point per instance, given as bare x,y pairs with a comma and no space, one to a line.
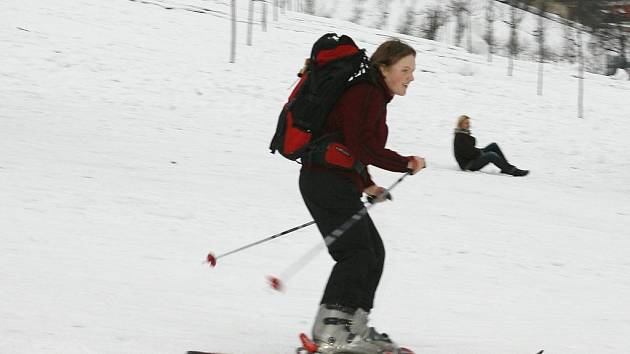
621,75
559,32
130,147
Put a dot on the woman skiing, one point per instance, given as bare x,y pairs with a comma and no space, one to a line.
332,196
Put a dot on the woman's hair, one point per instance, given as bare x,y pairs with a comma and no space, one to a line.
391,52
461,120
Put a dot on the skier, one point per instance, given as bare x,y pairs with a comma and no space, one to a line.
333,195
473,159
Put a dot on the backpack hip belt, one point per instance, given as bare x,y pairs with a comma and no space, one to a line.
328,152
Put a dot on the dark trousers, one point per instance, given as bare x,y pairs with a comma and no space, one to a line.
359,253
490,154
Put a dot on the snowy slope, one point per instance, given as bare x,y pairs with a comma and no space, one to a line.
130,147
398,11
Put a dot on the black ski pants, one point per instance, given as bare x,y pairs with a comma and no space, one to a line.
359,253
490,154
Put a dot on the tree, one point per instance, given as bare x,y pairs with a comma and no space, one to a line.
357,13
586,13
233,41
469,37
434,18
540,35
250,22
613,38
409,23
489,36
383,8
309,7
569,51
458,8
513,45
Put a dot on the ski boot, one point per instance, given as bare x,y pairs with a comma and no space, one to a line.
309,347
343,330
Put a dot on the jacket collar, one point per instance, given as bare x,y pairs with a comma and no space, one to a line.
463,131
380,79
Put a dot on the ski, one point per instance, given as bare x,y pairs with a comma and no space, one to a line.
198,352
309,347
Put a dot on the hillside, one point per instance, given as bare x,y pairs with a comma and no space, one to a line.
130,147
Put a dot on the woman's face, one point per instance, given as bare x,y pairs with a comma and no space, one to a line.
399,75
466,124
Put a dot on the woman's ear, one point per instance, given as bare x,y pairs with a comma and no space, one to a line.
382,69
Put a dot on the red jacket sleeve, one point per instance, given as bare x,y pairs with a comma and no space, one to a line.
361,116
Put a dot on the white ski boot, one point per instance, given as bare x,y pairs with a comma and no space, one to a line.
343,330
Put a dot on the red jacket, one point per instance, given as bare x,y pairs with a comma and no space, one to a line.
361,116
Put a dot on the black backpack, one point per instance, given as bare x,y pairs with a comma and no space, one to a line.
335,64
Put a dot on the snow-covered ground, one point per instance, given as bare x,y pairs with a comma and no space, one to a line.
130,147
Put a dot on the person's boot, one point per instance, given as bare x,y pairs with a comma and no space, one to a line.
513,171
340,329
332,327
370,335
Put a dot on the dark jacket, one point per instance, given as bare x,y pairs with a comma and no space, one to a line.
361,117
464,148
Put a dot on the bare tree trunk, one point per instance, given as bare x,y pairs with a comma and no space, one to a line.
264,16
512,39
275,10
490,29
580,13
233,46
409,22
580,76
459,30
434,19
540,78
622,49
250,22
513,44
541,45
357,12
458,9
469,12
309,8
383,8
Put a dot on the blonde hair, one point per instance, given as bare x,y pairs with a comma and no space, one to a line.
461,120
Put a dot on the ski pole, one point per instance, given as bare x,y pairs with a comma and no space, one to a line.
213,260
277,283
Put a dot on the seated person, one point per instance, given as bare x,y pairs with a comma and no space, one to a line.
473,159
